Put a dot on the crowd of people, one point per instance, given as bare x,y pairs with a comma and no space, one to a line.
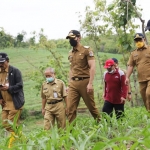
59,104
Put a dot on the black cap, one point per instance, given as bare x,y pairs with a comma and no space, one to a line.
115,60
73,34
3,57
138,36
148,26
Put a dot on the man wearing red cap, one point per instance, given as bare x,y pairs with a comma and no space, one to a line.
115,90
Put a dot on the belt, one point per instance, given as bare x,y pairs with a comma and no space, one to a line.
54,102
79,78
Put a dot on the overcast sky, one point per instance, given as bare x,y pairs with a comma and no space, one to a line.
56,17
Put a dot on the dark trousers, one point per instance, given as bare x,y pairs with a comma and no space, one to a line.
108,108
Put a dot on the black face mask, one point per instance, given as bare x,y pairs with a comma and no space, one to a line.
73,42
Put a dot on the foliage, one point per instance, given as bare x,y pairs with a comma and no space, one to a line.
55,61
132,132
24,114
6,40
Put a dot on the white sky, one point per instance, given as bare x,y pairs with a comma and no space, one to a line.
56,17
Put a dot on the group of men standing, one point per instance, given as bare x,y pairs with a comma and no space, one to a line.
81,77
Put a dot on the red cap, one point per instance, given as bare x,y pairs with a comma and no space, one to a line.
109,63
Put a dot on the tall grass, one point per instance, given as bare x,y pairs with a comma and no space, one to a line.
132,132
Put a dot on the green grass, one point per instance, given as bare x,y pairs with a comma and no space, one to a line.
131,133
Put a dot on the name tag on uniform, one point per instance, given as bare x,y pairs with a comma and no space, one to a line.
55,94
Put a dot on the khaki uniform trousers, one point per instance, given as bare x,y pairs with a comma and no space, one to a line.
145,93
78,89
55,112
10,115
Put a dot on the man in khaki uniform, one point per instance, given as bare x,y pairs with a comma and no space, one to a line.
140,58
53,92
81,76
11,94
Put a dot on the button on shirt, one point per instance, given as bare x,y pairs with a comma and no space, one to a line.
9,105
79,61
141,59
53,91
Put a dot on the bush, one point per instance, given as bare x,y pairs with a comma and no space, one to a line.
24,114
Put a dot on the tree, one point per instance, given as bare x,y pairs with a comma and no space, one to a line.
117,19
6,40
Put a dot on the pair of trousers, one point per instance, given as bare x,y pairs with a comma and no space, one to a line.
145,93
108,108
78,89
54,112
10,115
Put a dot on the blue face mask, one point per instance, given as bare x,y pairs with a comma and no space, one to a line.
50,79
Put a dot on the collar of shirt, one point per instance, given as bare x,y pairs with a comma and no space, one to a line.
54,82
78,47
140,49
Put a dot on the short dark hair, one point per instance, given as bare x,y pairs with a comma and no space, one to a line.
115,60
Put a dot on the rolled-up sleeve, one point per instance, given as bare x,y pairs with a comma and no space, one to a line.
131,61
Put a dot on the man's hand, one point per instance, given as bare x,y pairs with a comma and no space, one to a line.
89,88
127,81
123,100
129,96
43,112
4,87
2,103
67,112
67,89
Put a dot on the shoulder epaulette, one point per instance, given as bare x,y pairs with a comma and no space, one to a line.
86,46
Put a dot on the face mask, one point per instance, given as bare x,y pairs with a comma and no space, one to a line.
139,44
110,70
73,42
50,79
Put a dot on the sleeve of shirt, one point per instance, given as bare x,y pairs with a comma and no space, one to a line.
105,84
131,61
42,95
89,54
64,92
124,88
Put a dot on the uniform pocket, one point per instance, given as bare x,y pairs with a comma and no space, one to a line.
81,60
46,93
147,55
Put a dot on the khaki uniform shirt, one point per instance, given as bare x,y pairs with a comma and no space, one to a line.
9,105
141,59
79,61
53,91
